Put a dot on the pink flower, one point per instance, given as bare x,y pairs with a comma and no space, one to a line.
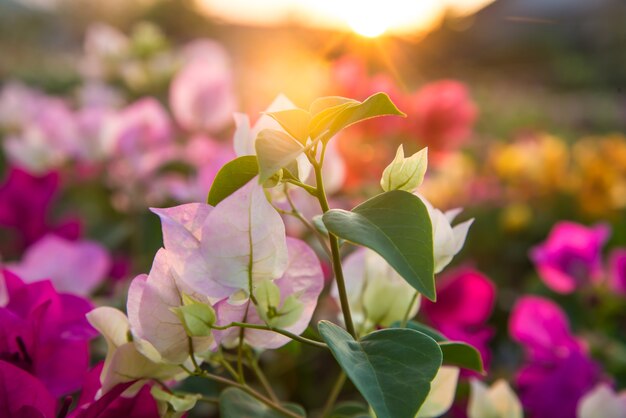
142,142
45,141
45,333
443,114
617,271
207,156
25,202
558,366
571,256
77,267
465,301
202,95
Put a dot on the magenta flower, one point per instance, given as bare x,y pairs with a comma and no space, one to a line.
25,201
45,333
617,271
571,256
558,370
77,267
22,395
465,301
115,403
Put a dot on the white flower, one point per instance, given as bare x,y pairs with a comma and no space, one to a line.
377,294
441,395
603,402
447,240
498,401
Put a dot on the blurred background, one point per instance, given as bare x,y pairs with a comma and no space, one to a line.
522,104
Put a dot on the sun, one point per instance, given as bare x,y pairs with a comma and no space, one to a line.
367,25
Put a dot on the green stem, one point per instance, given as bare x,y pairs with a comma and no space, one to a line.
334,249
296,213
254,365
249,391
276,330
406,318
310,189
334,394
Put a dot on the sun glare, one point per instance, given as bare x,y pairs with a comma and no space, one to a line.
370,18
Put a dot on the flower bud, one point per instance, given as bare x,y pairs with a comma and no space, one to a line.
405,173
196,317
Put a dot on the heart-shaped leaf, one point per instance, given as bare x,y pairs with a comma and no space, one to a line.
396,225
232,177
455,353
463,355
392,368
235,403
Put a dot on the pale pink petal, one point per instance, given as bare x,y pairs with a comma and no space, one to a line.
150,304
243,239
302,278
77,267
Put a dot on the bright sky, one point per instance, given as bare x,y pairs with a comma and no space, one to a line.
367,17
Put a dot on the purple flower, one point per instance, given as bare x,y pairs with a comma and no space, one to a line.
465,300
22,395
558,371
617,271
25,201
85,264
45,333
570,257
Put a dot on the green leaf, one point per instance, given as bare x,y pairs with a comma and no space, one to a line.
275,150
336,118
462,355
392,368
235,403
295,122
233,176
455,353
424,329
350,410
323,103
396,225
175,402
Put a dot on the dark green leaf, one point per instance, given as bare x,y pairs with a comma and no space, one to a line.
461,355
455,353
424,329
233,176
235,403
295,122
350,410
392,368
396,225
